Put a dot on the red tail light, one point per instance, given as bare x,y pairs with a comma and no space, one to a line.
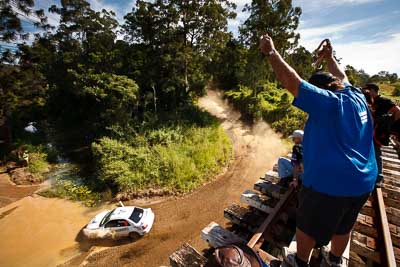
144,226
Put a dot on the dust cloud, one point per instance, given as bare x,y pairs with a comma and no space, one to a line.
263,143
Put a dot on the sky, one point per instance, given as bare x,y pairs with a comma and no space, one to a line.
364,33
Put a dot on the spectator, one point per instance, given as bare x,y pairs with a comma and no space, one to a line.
386,114
339,159
291,170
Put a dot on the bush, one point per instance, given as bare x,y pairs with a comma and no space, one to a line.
396,90
71,189
38,163
177,159
269,103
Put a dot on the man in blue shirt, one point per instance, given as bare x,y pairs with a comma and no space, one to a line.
339,159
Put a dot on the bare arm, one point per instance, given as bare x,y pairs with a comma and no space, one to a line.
333,65
395,111
284,73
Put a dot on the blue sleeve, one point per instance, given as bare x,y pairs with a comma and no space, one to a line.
314,100
347,84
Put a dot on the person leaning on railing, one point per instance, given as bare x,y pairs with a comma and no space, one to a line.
338,152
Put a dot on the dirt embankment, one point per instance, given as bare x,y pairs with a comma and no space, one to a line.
10,193
181,220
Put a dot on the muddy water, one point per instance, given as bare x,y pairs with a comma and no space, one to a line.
181,220
37,231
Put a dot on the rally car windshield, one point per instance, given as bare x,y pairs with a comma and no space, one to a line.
106,218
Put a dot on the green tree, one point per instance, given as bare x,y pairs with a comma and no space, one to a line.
10,22
179,39
301,59
229,66
356,77
277,18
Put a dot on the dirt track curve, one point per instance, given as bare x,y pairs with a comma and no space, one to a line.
180,220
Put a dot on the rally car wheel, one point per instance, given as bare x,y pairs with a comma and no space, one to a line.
134,235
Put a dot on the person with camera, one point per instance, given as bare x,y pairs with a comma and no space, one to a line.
339,159
386,120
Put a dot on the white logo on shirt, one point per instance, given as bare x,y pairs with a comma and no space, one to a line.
363,116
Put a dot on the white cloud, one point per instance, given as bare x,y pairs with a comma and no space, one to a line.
99,5
313,5
310,37
372,56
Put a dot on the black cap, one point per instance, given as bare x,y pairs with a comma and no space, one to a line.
373,86
321,79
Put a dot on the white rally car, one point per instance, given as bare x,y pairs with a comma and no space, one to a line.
120,222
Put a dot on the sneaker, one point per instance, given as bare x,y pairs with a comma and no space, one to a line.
326,262
289,257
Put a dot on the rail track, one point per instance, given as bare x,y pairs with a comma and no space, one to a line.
265,221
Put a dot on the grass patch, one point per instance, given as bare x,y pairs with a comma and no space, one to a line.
176,158
72,190
38,163
391,91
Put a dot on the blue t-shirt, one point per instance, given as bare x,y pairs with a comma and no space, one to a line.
339,156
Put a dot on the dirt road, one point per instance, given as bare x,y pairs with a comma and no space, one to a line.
10,193
181,220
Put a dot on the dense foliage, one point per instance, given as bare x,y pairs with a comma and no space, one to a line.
271,104
178,159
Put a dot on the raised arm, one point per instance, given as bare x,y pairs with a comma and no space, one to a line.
333,65
284,73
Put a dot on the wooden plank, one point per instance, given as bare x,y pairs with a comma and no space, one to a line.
391,213
271,176
217,236
391,192
359,246
391,181
389,150
261,202
391,160
389,155
270,189
391,166
244,217
366,225
185,256
390,201
391,173
271,217
275,168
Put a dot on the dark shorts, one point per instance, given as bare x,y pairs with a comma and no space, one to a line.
321,216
